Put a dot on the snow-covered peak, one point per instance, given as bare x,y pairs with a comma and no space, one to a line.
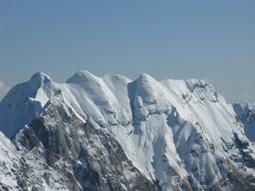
24,101
172,131
146,88
146,77
40,77
109,99
82,76
192,84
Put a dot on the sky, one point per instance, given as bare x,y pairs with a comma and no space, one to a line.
178,39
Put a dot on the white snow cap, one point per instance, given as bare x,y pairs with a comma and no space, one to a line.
151,119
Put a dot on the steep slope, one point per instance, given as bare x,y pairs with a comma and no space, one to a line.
80,156
23,102
9,162
112,133
246,114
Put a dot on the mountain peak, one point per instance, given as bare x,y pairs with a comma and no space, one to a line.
38,79
82,76
40,76
145,77
173,132
192,84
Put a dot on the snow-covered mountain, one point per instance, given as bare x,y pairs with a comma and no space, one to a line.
246,114
113,133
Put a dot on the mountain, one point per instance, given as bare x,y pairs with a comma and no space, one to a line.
113,133
246,114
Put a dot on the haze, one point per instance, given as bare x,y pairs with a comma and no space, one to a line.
212,40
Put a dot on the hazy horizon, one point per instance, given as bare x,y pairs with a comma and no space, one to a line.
212,40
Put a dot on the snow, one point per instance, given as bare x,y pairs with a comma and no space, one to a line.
23,102
8,161
246,114
157,123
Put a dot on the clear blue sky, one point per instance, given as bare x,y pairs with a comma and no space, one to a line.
206,39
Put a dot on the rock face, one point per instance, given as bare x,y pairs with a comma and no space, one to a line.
246,115
112,133
84,157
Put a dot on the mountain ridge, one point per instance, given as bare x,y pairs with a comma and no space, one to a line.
175,134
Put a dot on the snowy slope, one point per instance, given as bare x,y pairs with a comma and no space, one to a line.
246,114
23,102
9,161
178,134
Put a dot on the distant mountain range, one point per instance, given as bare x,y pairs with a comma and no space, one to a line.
112,133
